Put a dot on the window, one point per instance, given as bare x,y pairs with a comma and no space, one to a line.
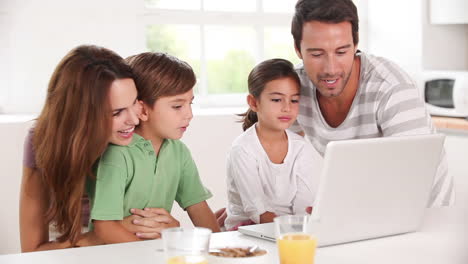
222,40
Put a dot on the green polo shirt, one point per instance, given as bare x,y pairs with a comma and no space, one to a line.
134,177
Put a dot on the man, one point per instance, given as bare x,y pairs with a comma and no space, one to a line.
347,94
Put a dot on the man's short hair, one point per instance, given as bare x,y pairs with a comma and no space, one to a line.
327,11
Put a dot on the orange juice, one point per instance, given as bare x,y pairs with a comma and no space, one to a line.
187,260
296,248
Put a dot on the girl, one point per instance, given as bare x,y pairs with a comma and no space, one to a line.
268,167
91,101
156,168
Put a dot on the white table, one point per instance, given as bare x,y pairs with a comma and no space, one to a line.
442,239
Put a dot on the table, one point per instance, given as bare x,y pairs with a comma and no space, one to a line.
442,239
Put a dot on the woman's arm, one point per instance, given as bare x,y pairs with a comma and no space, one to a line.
149,223
34,230
202,216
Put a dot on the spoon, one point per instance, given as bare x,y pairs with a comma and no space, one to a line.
252,249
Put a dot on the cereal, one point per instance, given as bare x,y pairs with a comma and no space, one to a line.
238,252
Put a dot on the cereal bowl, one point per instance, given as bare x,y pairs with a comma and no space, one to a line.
237,255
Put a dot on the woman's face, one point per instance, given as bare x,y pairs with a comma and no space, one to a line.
125,111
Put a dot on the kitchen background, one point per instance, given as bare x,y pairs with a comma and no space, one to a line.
420,35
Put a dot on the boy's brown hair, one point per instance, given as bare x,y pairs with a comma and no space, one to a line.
160,74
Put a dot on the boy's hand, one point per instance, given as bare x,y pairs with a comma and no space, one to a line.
149,223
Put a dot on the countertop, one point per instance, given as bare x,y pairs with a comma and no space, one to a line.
451,123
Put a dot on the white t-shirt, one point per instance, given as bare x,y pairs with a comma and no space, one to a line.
256,185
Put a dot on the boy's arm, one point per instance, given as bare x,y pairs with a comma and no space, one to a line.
113,232
202,216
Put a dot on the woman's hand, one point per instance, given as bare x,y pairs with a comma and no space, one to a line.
149,223
89,239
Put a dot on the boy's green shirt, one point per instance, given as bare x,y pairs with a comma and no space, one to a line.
134,177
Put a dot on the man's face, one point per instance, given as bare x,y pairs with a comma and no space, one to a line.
327,51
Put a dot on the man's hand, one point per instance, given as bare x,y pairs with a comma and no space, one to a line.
149,223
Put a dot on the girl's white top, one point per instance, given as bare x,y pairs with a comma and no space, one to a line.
256,185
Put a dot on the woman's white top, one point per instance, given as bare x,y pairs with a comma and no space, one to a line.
256,185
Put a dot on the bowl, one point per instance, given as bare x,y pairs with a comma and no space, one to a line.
237,255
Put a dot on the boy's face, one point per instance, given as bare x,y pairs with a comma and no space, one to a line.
278,105
125,111
327,51
170,115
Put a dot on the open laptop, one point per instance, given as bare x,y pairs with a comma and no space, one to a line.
370,188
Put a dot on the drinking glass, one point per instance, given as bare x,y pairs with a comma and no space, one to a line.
186,245
295,243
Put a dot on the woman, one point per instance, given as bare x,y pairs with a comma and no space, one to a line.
91,102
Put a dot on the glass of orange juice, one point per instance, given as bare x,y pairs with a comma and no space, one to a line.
186,245
295,243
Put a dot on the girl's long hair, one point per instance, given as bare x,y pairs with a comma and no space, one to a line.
73,130
260,75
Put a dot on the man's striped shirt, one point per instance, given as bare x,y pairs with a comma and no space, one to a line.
387,103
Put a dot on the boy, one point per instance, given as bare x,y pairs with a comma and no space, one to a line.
155,169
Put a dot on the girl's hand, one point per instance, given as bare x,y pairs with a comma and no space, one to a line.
221,216
149,223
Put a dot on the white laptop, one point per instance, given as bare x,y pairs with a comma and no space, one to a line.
370,188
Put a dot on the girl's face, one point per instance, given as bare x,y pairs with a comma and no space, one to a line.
125,110
278,105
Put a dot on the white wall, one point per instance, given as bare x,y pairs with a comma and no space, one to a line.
401,31
11,153
37,34
209,138
445,46
395,32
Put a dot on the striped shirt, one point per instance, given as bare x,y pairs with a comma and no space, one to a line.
387,103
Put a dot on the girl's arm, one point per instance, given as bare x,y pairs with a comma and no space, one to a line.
308,177
202,216
113,231
267,217
243,171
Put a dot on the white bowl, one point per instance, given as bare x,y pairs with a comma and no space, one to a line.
240,260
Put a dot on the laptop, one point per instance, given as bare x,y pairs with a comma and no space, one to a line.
370,188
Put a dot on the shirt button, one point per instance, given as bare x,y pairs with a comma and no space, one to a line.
146,144
151,153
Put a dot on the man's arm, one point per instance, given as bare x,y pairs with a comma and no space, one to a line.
402,112
202,216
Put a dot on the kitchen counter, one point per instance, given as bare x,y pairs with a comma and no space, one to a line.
460,124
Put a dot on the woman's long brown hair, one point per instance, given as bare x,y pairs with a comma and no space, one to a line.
73,130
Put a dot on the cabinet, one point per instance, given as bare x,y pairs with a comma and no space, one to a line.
448,11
